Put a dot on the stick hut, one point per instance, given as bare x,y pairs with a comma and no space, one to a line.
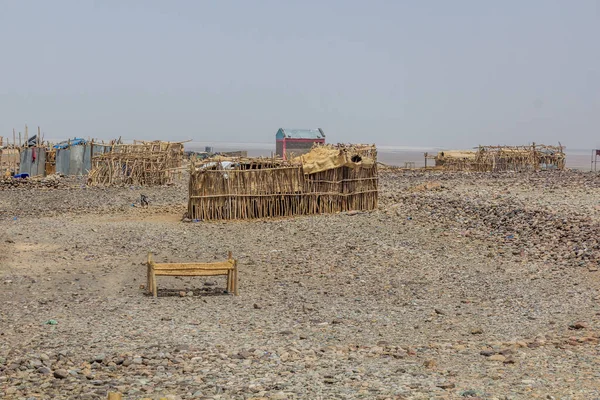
503,158
329,179
141,163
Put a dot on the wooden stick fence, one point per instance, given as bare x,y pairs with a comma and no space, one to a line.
504,158
264,188
141,163
10,156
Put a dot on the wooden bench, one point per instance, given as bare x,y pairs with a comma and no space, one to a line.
228,268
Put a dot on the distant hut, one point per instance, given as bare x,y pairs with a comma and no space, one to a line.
534,157
294,142
456,160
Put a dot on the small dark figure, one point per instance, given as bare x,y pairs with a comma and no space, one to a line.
144,201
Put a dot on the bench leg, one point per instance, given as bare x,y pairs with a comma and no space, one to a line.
149,279
154,290
230,281
235,279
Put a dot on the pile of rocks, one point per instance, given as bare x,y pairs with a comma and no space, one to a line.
566,237
49,182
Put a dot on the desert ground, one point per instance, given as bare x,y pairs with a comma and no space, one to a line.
458,286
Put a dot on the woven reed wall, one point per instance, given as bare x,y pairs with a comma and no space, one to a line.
265,191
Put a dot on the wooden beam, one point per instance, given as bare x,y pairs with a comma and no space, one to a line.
188,272
192,266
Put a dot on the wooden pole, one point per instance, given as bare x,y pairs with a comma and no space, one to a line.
37,139
26,135
14,156
91,153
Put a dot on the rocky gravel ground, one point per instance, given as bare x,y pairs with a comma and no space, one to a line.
458,286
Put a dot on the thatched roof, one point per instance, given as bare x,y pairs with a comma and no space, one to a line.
457,154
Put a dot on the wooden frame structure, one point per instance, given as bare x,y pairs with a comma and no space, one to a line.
10,159
228,267
503,158
344,179
141,163
10,156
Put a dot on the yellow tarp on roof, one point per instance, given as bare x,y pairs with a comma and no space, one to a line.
324,158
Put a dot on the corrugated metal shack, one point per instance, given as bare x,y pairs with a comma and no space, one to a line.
65,158
295,142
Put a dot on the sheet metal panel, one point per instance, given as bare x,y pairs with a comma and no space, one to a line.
40,162
31,167
63,157
76,160
25,166
87,158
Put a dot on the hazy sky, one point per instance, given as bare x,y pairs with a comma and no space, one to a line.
416,73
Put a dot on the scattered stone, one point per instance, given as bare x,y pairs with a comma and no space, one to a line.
61,374
578,326
342,294
446,385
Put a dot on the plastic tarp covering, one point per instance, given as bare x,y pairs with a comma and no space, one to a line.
63,158
76,160
224,164
321,159
73,142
